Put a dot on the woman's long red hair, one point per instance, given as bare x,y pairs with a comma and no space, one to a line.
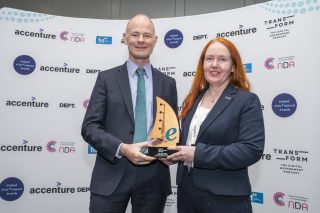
238,77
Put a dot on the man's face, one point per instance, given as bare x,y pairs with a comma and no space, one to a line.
140,38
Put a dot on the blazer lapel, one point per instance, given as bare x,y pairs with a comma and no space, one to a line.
124,85
224,100
188,118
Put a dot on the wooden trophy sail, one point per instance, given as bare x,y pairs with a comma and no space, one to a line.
166,129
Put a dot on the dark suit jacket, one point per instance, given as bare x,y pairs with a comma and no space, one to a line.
109,121
230,139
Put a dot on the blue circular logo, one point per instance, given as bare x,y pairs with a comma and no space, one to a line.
11,189
284,105
173,38
24,64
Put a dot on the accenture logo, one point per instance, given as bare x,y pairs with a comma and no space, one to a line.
62,69
25,147
31,34
32,104
241,31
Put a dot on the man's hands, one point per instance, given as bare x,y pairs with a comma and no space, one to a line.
132,152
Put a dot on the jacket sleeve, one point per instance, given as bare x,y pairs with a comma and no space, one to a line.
93,131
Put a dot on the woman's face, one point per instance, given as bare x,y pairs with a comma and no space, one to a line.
217,64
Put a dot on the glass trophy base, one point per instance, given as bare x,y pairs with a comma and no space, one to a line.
159,152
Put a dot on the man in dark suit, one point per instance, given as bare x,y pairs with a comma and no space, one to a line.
121,171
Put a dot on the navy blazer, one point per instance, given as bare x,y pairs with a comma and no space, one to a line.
109,121
230,139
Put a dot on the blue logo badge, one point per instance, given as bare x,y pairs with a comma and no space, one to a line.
91,150
24,64
103,40
284,105
11,189
173,38
257,197
247,68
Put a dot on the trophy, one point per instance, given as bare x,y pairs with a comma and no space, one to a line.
165,129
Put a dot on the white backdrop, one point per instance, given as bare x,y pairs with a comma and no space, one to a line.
48,66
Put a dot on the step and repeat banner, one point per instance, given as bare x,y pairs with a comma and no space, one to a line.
49,64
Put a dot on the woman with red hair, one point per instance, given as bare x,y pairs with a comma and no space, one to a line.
222,135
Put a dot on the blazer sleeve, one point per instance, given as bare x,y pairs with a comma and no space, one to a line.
240,146
93,130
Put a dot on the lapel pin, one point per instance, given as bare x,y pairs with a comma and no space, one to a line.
227,98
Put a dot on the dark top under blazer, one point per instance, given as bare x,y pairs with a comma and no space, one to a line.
230,139
109,121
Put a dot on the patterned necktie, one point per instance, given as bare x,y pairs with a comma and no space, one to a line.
140,120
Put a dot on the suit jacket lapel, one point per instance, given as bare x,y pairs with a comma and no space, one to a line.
157,84
224,100
124,85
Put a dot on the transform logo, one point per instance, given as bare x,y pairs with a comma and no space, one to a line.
103,40
167,70
39,34
279,27
32,103
292,161
24,147
11,189
240,32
